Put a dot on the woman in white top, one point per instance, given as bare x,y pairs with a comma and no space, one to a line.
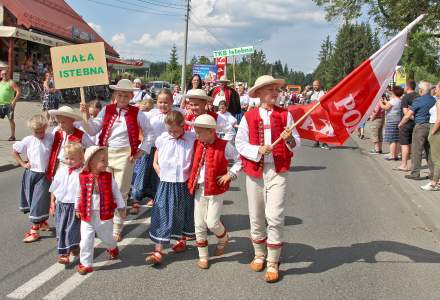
434,142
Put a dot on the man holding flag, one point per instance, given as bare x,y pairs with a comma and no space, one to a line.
266,168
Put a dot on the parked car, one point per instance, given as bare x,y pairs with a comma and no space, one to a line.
156,86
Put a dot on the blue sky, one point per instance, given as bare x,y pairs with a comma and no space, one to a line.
289,30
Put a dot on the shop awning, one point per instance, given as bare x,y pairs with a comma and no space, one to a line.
8,31
120,64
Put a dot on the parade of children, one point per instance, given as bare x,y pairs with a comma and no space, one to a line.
176,160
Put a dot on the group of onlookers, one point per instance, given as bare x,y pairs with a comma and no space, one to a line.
406,119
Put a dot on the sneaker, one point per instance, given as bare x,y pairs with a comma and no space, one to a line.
430,187
316,144
375,152
325,146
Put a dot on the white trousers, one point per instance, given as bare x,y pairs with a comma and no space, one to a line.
266,198
122,169
207,212
104,231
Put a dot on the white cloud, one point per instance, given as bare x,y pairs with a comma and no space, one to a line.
169,38
118,39
96,27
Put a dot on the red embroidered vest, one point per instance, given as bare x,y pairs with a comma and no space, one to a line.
216,164
281,154
227,92
189,119
110,117
76,137
107,204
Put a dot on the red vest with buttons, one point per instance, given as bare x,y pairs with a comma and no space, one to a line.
189,119
110,117
107,204
215,163
75,137
281,154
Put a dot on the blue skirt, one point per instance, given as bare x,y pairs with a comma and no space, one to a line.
145,180
68,228
172,216
35,196
391,134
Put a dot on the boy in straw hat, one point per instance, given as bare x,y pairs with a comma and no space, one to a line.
199,101
65,132
266,170
95,205
119,125
208,180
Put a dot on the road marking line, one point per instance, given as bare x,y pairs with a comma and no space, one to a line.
37,281
76,279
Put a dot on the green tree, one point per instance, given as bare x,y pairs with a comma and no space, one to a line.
322,72
391,16
172,73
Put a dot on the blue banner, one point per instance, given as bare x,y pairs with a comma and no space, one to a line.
206,72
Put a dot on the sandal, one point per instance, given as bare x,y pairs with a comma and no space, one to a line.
203,264
135,207
83,270
150,203
11,139
180,246
220,248
30,237
64,259
154,258
113,253
272,274
44,226
258,263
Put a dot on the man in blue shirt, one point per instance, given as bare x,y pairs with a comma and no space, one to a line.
419,111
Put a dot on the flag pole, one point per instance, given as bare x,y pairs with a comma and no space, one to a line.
317,104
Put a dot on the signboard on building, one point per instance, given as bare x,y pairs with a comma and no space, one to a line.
79,65
206,72
233,51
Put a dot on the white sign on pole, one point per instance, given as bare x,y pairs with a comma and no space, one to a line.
234,51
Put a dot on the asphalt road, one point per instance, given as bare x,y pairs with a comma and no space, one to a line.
349,235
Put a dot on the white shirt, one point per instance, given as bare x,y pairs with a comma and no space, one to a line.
251,151
157,121
175,156
228,132
137,96
231,154
316,96
94,139
433,114
85,142
37,151
177,98
244,100
117,196
118,133
65,186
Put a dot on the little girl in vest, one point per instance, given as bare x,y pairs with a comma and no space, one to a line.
64,189
35,195
209,179
172,216
96,202
228,133
64,133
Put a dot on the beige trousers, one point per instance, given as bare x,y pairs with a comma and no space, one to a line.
122,169
266,198
207,212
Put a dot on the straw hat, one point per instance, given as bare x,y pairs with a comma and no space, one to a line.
223,79
90,151
197,94
263,81
205,121
124,85
65,111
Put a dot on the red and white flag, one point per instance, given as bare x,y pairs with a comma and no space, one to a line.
350,102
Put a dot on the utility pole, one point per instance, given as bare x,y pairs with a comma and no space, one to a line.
182,83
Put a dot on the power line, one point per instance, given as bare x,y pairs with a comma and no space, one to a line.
134,10
163,4
142,6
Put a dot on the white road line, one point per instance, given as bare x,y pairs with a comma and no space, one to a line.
36,282
75,280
